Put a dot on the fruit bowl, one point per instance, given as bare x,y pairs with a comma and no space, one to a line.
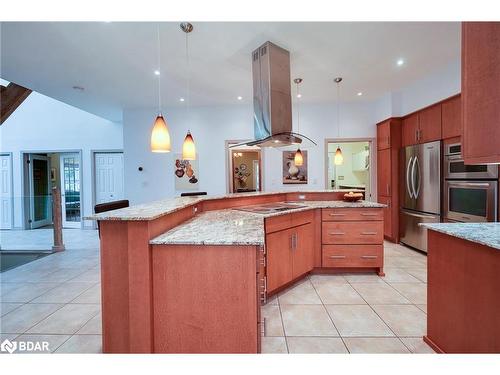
353,197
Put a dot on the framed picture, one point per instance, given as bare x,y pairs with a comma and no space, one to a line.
186,174
293,174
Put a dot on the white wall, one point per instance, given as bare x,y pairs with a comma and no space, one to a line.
211,127
44,124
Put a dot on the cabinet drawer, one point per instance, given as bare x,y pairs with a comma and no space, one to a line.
352,214
352,255
359,232
277,223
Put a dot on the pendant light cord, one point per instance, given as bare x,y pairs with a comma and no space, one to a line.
159,65
188,71
298,110
338,110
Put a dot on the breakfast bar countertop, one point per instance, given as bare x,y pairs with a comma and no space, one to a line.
235,227
487,234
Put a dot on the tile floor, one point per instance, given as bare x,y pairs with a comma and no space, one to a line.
57,299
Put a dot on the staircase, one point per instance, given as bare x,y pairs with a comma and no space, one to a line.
11,97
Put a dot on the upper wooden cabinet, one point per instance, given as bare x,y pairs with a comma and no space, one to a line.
481,92
384,135
451,117
409,130
384,170
429,124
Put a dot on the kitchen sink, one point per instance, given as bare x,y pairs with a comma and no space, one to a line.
269,208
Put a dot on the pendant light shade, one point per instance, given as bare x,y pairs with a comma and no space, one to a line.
338,159
188,148
298,159
160,136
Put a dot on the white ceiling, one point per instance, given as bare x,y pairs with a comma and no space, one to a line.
114,62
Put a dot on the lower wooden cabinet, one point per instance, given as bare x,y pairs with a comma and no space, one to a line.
352,255
363,232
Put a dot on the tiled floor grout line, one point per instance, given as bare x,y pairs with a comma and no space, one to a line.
282,323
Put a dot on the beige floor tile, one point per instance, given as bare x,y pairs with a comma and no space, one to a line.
375,345
67,320
327,279
6,308
363,278
404,262
416,293
302,293
91,276
338,294
54,341
273,324
6,287
91,295
316,345
404,320
423,308
418,272
24,317
398,275
28,292
307,320
357,321
63,275
82,344
63,293
93,327
375,293
273,300
417,345
274,345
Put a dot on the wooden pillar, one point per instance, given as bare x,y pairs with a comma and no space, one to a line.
57,220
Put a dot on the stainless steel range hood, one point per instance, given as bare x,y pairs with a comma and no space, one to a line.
272,100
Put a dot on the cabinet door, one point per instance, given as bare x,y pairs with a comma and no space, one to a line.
388,229
384,135
279,261
481,92
452,118
409,133
384,172
302,249
429,122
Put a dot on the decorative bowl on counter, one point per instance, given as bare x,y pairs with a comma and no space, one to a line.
353,197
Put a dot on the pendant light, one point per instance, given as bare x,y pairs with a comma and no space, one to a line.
298,158
338,158
160,136
188,147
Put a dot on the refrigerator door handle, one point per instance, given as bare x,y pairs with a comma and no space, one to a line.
424,216
408,186
416,168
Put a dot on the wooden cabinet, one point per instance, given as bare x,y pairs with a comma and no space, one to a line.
384,135
279,260
353,232
352,255
429,124
302,250
409,130
451,118
481,92
388,172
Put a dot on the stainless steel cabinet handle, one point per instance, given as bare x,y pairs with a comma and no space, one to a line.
368,214
368,233
337,256
337,214
336,233
369,256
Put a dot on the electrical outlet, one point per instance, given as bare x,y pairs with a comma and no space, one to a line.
340,177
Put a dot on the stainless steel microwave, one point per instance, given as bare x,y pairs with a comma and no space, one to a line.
455,168
470,201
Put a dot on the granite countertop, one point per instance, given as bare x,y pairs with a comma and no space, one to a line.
234,227
156,209
487,234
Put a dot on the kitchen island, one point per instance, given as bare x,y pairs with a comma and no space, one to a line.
188,275
463,298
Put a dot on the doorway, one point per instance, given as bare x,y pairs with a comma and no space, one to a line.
355,170
108,177
244,169
70,185
6,196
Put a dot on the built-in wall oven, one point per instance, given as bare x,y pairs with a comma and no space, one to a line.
470,191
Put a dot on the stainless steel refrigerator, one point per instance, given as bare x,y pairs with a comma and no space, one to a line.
421,199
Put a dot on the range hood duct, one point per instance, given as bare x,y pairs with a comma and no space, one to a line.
272,100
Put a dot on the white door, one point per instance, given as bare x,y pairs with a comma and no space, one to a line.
109,185
40,193
6,199
70,190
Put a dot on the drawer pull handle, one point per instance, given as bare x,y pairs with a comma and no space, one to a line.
337,256
337,233
368,214
369,256
368,233
337,214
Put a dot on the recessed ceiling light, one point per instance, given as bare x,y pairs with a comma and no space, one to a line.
240,98
360,93
400,62
157,72
299,95
181,99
